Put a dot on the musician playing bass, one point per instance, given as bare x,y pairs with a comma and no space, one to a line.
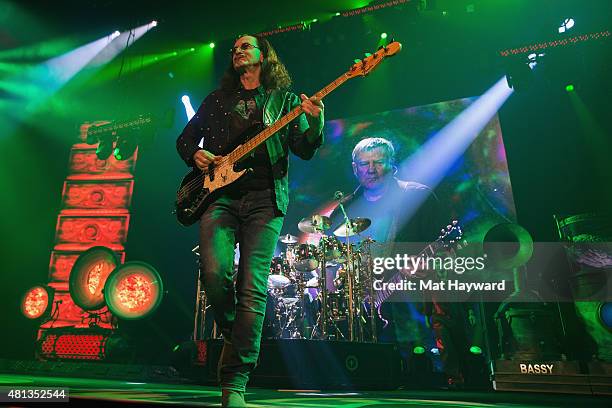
254,93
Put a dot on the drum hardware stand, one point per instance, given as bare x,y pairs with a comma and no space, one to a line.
369,281
199,323
349,272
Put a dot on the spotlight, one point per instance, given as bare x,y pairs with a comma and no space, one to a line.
605,314
569,88
188,107
88,276
337,14
418,350
37,302
519,70
211,45
566,25
475,350
154,23
383,36
125,147
192,49
133,291
115,35
105,147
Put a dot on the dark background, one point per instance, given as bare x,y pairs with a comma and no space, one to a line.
450,50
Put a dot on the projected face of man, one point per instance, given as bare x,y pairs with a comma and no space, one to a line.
373,169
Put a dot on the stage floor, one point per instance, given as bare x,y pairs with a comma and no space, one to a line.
102,392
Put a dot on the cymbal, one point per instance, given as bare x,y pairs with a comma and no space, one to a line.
316,223
358,225
288,239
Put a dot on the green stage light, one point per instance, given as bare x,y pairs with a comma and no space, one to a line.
418,350
475,350
192,49
383,36
569,88
211,45
337,14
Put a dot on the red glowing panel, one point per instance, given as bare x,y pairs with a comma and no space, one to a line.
133,291
96,195
61,344
35,302
84,164
92,230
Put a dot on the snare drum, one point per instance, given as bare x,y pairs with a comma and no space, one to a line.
306,258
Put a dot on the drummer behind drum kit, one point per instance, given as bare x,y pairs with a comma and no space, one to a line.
307,300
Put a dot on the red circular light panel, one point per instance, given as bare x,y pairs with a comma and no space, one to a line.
133,291
35,302
88,276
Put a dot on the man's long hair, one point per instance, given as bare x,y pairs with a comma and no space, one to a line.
274,74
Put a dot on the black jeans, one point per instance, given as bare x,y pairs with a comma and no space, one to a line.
251,219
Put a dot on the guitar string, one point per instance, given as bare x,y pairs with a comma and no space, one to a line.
231,157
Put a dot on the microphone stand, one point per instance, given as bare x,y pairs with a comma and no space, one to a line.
349,272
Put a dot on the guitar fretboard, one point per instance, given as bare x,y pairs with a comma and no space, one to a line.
261,137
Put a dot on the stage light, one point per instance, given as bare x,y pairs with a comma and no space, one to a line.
475,350
188,107
133,291
192,49
211,45
126,146
569,88
37,302
337,14
88,276
315,20
605,314
115,35
105,147
418,350
383,36
567,24
435,351
154,23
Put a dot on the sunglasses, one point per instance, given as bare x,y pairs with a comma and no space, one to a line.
243,47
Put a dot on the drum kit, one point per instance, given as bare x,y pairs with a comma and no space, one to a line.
317,291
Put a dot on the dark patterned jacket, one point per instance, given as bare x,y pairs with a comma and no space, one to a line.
212,118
